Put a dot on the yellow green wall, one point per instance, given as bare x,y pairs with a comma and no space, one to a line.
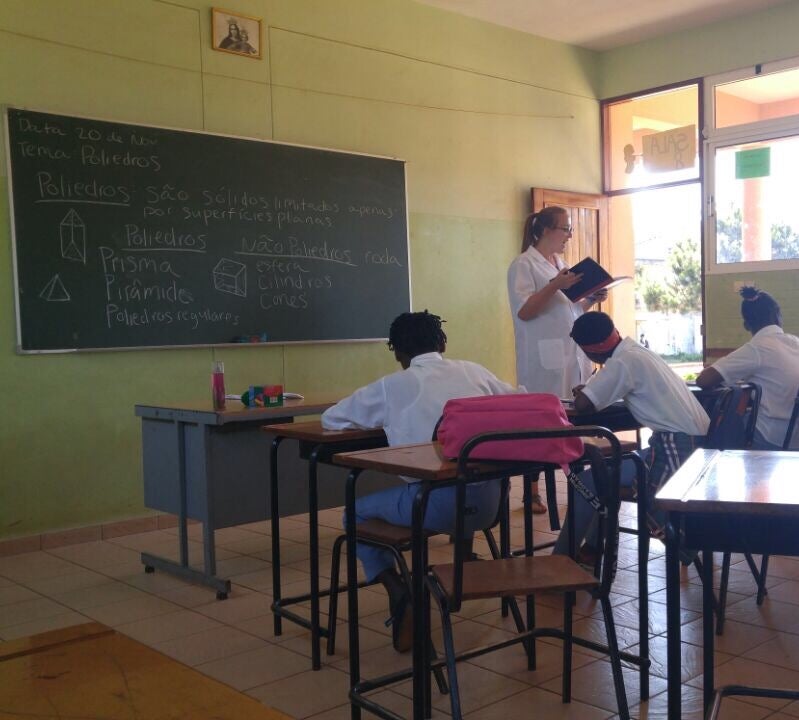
745,40
480,113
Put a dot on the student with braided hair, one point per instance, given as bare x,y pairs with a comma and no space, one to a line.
407,405
771,360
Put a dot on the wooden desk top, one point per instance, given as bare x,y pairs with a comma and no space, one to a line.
734,481
422,461
312,431
234,412
91,671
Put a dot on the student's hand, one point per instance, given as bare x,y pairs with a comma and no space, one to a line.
576,389
565,279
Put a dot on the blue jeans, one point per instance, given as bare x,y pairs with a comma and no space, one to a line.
395,506
585,519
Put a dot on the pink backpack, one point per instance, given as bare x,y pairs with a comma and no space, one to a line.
466,417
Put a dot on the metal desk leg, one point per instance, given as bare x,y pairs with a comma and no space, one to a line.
182,569
313,532
417,596
643,576
275,529
707,627
352,591
674,659
527,495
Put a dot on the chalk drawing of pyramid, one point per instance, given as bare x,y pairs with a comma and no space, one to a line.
55,291
73,237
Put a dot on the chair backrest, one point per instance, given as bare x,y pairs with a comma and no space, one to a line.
786,444
604,465
733,417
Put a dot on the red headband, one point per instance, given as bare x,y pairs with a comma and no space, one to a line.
606,345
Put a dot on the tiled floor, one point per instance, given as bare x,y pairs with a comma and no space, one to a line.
233,641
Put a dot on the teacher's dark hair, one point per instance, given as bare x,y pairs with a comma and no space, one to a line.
759,309
417,333
536,223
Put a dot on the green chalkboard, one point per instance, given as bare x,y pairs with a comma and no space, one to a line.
127,236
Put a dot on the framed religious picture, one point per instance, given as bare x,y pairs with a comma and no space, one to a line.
234,33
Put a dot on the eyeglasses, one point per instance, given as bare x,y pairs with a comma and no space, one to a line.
568,229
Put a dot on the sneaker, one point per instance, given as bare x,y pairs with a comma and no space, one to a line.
537,506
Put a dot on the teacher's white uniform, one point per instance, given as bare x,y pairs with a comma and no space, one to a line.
547,359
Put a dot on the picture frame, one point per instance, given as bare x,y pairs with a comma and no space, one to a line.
234,33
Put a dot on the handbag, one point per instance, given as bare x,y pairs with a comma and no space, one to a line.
464,418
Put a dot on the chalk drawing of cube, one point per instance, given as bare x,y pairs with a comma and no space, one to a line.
230,277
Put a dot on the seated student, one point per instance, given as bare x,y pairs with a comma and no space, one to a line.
407,405
771,360
656,397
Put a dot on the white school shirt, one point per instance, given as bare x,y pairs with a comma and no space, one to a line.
407,404
770,359
547,359
654,394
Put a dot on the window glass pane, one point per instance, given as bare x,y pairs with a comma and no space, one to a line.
652,139
757,216
665,227
764,97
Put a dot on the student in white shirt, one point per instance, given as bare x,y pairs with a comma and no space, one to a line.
547,359
656,397
771,360
407,405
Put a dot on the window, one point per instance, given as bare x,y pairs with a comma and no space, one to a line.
752,156
651,139
653,179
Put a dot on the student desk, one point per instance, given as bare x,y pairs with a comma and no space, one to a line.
91,671
422,462
731,500
206,465
317,445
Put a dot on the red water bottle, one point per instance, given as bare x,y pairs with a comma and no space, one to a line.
218,384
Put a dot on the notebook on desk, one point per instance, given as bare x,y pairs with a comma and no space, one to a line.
594,278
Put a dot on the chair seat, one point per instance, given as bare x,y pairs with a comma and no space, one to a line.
386,533
516,576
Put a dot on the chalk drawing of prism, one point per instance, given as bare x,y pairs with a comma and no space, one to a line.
55,291
73,237
230,277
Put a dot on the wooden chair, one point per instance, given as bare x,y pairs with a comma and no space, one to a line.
457,582
397,540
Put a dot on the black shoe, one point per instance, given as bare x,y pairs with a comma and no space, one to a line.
400,607
401,622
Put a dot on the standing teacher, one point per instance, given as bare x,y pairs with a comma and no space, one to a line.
547,359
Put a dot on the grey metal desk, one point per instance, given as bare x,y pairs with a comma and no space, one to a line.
210,466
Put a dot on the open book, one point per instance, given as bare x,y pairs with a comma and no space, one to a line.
594,277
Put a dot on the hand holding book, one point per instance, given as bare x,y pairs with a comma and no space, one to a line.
565,279
592,278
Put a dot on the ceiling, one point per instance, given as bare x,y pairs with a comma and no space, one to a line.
602,24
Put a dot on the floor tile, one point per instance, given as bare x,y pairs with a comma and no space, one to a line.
307,693
249,669
209,645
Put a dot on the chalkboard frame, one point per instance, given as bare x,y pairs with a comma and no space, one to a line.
20,350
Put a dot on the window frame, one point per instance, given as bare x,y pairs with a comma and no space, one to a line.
715,138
